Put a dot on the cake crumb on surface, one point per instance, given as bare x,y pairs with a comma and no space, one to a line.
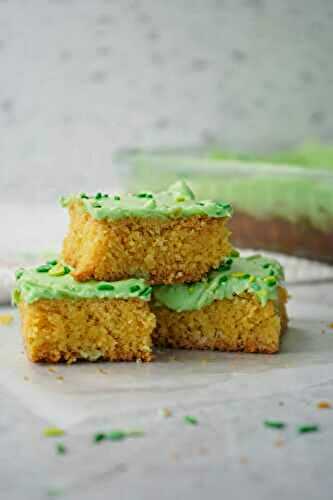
165,412
6,319
324,405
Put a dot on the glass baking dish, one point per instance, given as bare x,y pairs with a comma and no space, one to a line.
279,207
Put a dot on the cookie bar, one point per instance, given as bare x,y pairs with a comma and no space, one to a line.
239,307
165,238
63,320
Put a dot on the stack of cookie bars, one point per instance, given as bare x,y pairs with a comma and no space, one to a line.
144,270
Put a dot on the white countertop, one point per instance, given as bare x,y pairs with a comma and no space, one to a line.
229,452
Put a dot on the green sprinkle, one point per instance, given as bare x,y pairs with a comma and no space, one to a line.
61,449
53,432
105,286
117,198
116,435
84,196
266,266
303,429
246,276
271,282
53,262
144,195
188,419
96,205
19,273
98,196
223,279
43,269
256,287
135,288
234,253
145,292
274,424
272,272
180,199
99,436
229,261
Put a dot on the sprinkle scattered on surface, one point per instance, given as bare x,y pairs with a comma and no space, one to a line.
6,319
53,432
165,412
279,443
330,325
61,449
274,424
60,378
116,435
324,405
303,429
26,378
189,419
51,370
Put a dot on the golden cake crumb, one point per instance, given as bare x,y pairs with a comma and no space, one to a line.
240,324
324,405
6,319
90,329
163,251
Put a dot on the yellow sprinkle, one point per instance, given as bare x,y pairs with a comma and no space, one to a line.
101,370
6,319
53,432
252,279
237,274
60,378
52,370
57,270
330,325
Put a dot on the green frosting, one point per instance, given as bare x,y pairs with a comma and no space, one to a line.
177,201
294,185
38,283
257,275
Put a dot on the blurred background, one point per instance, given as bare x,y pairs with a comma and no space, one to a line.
80,79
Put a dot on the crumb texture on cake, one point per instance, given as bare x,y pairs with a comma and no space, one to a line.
239,324
163,251
91,329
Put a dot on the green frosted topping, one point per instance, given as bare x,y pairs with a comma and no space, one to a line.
240,275
177,201
32,285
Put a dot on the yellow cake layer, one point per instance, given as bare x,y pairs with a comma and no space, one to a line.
163,251
240,324
91,329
